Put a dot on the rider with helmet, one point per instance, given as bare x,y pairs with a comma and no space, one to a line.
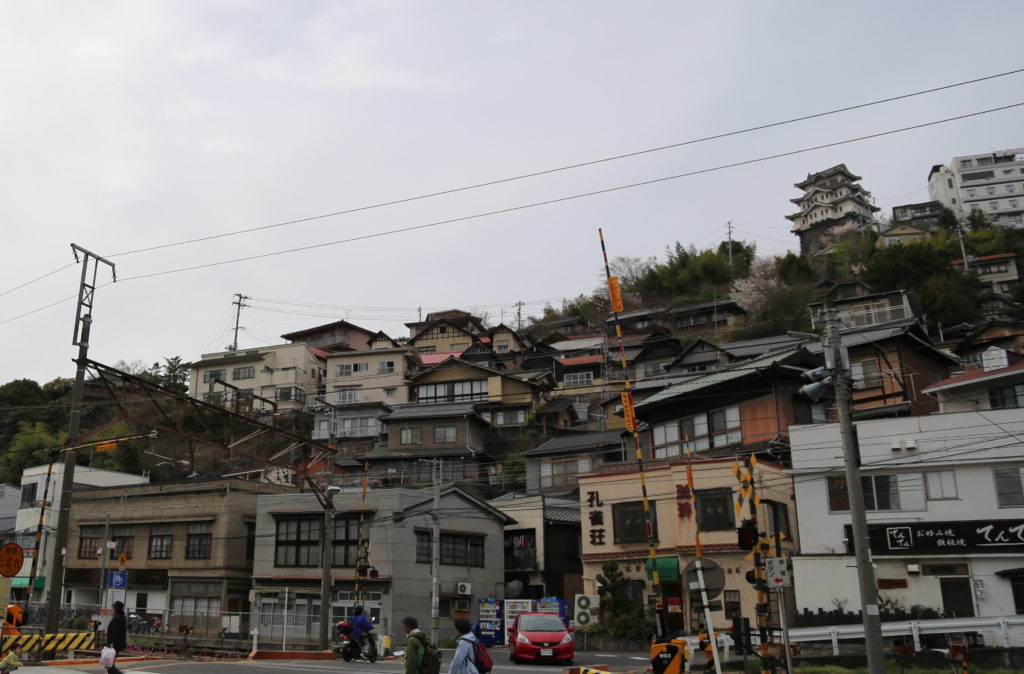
361,626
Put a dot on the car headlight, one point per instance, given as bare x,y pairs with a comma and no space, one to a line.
567,639
522,639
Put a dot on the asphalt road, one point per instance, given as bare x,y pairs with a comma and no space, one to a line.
620,663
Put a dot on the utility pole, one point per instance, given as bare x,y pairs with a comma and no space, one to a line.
103,559
858,516
326,558
239,303
519,315
83,323
728,226
435,554
963,250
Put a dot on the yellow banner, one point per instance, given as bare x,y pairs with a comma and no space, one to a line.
106,446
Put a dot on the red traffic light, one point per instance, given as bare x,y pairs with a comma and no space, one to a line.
746,535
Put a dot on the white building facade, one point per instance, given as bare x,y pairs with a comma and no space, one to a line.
992,182
944,495
33,492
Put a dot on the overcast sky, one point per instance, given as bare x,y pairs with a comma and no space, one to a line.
130,125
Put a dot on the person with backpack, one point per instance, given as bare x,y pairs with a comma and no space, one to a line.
421,656
464,660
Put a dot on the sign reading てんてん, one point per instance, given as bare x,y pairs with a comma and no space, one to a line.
11,559
974,536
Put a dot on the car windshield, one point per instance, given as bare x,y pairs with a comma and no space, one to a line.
541,623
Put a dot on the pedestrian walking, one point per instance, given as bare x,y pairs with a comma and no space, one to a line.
415,646
464,660
117,634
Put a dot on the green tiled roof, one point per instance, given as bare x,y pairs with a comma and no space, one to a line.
734,371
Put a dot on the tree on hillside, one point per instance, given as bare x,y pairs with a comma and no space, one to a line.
33,445
691,274
945,293
21,401
977,220
172,374
775,295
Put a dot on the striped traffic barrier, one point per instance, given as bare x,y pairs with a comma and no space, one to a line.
64,641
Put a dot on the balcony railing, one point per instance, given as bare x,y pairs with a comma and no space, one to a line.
522,559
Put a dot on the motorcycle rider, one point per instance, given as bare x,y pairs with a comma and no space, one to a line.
361,628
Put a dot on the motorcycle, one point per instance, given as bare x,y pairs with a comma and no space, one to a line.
351,648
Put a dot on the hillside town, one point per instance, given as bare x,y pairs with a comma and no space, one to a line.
499,453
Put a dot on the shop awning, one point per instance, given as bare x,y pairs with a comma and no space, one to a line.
668,568
23,582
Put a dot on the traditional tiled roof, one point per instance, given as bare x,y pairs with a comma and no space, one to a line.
735,371
580,442
431,411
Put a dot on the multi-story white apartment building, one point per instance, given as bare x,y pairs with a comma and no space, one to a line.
33,492
992,182
271,378
944,495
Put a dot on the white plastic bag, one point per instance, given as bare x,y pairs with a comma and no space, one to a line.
107,656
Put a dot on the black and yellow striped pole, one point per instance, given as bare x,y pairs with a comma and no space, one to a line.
615,294
363,544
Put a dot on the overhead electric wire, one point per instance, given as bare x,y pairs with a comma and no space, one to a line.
568,167
546,202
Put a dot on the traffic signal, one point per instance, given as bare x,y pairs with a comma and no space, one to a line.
746,535
741,635
820,381
759,583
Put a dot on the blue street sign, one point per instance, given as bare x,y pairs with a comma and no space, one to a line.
118,580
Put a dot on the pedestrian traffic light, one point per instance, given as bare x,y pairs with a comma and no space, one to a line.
746,535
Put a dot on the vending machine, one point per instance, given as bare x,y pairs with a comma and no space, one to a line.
514,607
490,621
556,606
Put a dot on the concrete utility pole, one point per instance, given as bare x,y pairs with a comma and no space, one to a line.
83,323
963,249
239,303
103,560
435,554
858,516
729,227
326,559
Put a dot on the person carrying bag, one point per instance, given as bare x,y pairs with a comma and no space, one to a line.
117,638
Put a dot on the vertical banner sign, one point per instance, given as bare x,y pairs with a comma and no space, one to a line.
627,411
615,294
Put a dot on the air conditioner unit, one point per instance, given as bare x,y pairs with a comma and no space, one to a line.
463,588
586,609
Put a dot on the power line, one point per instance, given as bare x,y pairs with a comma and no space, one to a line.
568,167
547,202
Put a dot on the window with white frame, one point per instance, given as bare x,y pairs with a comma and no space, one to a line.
426,349
666,440
411,436
881,492
501,347
291,393
991,189
725,426
347,395
444,434
359,426
578,378
993,205
865,374
243,372
386,367
389,392
452,391
509,417
1009,486
349,369
563,472
940,485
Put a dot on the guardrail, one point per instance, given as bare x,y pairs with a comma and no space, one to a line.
914,628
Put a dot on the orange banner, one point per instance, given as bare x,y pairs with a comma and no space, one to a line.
615,294
106,446
627,411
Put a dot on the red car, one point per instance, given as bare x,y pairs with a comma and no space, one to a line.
540,636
